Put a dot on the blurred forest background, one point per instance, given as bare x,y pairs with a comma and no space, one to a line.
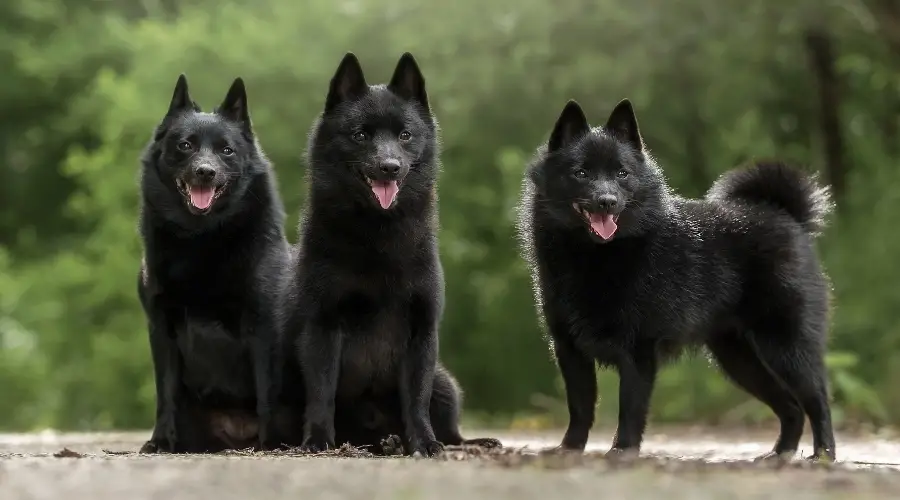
714,82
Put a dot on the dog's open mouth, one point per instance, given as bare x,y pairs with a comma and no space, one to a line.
200,198
385,191
603,225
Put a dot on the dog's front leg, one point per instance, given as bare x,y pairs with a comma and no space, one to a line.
580,378
637,376
167,370
267,369
320,357
417,376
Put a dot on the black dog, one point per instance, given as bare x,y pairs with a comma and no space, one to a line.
627,273
368,292
214,254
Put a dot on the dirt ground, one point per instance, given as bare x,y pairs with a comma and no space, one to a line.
676,464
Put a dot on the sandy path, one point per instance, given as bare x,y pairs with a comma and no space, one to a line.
681,464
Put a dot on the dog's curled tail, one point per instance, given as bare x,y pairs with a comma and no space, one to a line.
777,185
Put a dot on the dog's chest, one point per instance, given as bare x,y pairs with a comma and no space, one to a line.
594,297
204,288
611,300
216,359
201,274
374,343
370,301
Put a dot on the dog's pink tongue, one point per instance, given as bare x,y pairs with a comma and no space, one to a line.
201,197
604,225
386,192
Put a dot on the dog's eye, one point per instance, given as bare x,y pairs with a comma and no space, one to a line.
405,136
621,174
227,151
184,146
360,136
579,173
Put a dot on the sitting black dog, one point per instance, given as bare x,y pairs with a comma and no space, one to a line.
368,291
214,253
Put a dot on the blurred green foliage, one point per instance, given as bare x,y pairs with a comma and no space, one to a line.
714,83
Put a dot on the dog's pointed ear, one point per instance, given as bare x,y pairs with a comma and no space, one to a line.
234,106
181,98
570,126
408,81
181,101
348,82
623,125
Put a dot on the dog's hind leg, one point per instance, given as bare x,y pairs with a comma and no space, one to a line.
376,424
798,360
371,423
737,357
445,407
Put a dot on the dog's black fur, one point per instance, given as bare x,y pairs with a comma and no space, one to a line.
211,278
368,290
736,271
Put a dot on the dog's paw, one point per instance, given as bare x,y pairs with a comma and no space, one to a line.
316,444
623,454
488,443
776,457
561,450
427,448
392,445
822,455
269,445
155,446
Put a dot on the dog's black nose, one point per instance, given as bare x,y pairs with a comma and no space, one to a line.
607,202
390,166
205,174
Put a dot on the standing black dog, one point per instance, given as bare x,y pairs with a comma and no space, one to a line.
368,292
627,273
214,254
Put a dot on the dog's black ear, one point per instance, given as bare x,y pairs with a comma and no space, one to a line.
348,82
181,98
570,126
234,106
181,101
408,81
623,125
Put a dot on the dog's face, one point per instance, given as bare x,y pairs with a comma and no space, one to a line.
375,144
598,179
201,162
